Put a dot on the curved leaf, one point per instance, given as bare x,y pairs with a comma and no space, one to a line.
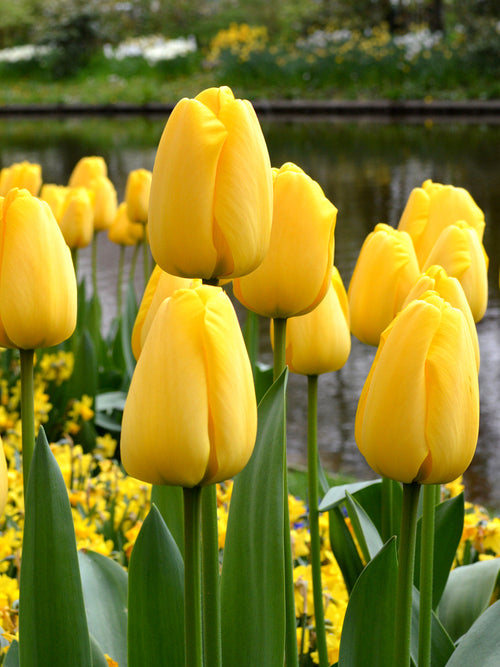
337,494
366,533
98,657
481,644
441,644
343,547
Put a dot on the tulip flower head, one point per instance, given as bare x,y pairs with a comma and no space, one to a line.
86,170
191,416
77,217
105,202
55,196
297,270
210,203
37,280
22,175
123,231
320,341
137,195
385,271
431,208
418,414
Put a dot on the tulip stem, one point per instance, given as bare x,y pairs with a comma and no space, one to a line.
426,576
406,564
27,411
387,508
312,469
94,263
252,338
145,259
133,262
211,577
119,281
291,651
192,577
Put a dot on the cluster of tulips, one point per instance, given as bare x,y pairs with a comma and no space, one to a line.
201,410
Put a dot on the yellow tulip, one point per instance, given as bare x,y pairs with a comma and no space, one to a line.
320,342
55,196
418,414
460,252
137,195
22,175
37,279
297,270
105,202
385,271
160,286
433,207
86,170
436,279
77,217
123,231
210,204
190,417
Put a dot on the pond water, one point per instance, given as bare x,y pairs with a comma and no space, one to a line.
367,168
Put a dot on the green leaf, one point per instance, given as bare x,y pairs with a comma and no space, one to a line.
109,407
366,533
170,502
368,629
467,595
481,644
12,657
449,521
98,657
441,644
104,584
52,622
253,620
263,377
344,549
337,494
84,377
155,597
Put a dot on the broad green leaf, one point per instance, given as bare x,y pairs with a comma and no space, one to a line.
481,645
253,589
368,629
366,533
52,622
84,377
263,378
170,502
98,657
109,407
343,547
467,595
12,657
155,597
449,521
337,494
441,644
104,584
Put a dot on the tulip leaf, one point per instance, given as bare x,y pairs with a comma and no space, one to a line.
155,597
449,521
481,644
337,494
170,501
343,547
98,657
441,644
52,621
12,657
84,377
104,585
467,594
253,605
263,378
366,533
368,629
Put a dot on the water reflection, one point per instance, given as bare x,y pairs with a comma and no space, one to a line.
367,169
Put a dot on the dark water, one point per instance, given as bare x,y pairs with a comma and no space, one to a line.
367,169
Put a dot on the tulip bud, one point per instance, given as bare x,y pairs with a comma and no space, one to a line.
55,196
436,279
37,280
297,270
460,252
418,414
137,195
105,202
190,417
77,217
385,271
86,170
210,204
433,207
22,175
160,286
320,342
123,231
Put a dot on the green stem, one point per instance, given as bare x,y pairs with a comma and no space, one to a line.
211,577
27,411
406,563
133,262
312,469
387,505
192,577
145,257
251,333
291,653
94,263
426,576
119,281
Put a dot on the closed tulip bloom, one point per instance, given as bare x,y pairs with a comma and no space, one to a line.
191,416
123,231
210,204
37,279
297,270
433,207
77,217
385,271
137,195
86,170
436,279
460,252
22,175
160,286
55,196
418,414
105,202
320,342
